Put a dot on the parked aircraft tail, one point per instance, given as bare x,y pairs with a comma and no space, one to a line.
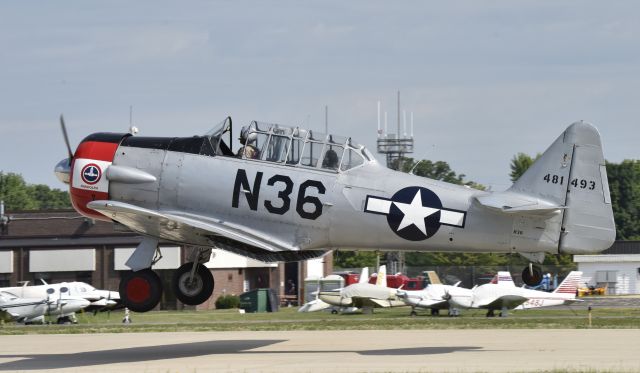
571,177
570,284
434,279
364,275
503,278
381,279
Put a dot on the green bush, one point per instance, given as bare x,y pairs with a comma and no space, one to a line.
227,301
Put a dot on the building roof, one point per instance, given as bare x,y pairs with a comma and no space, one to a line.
623,247
609,258
56,228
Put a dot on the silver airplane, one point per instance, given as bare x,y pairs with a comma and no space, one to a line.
291,194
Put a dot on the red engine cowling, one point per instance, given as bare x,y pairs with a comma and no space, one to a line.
88,181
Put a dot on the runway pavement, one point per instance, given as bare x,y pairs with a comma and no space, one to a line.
493,350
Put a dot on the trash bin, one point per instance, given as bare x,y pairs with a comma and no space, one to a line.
259,300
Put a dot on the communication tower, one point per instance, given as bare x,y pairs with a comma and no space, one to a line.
395,145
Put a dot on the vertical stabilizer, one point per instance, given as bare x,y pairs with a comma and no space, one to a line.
381,279
364,276
570,284
571,173
504,278
433,278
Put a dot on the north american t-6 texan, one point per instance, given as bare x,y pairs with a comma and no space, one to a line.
291,194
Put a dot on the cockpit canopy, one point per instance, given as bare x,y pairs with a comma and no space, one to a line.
288,145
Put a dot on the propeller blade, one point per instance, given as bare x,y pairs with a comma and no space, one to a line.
66,137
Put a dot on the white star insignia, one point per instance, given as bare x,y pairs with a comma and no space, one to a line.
415,213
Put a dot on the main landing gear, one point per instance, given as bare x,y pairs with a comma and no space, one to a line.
192,283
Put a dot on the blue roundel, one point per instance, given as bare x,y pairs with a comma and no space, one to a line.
91,173
415,213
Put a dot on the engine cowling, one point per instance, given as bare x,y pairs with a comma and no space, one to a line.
88,180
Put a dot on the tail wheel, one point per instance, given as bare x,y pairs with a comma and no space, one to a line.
532,275
140,291
192,291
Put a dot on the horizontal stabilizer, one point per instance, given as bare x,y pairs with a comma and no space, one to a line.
511,202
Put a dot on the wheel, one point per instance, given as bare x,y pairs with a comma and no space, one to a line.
435,312
532,276
413,313
140,291
490,313
334,312
192,292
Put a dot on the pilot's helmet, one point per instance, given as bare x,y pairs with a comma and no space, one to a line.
246,137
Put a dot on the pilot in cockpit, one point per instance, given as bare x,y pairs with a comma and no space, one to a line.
247,140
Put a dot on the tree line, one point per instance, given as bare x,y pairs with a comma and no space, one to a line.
18,195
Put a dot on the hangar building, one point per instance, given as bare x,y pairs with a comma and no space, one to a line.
617,268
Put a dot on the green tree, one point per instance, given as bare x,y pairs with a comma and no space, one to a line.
355,259
18,195
438,170
520,163
624,184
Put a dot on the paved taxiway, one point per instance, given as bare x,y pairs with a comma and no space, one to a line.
326,351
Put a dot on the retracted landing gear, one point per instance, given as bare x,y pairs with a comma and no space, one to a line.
193,283
140,291
532,274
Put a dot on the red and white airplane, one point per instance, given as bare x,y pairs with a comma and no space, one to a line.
502,294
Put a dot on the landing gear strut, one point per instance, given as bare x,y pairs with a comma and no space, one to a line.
193,283
140,291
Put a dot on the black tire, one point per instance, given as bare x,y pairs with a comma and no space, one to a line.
413,314
201,289
532,279
140,291
334,312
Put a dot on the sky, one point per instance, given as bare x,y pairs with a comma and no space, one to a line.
484,79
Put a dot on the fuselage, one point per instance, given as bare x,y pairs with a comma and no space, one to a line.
361,206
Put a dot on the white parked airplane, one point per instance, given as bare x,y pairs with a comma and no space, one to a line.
364,294
66,298
14,308
319,305
98,299
33,310
502,294
435,296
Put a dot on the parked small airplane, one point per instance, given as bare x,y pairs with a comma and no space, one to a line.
291,194
363,294
319,305
33,310
14,308
502,294
66,298
435,296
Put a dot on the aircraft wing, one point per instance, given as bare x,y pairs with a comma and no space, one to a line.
505,301
196,230
512,202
